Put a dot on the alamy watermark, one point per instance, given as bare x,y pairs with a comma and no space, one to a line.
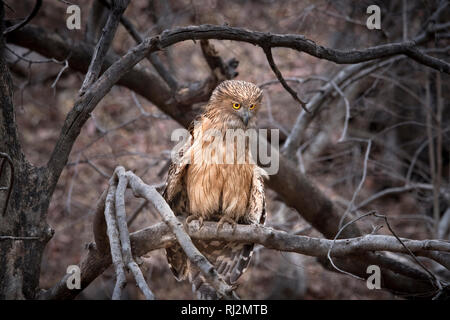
74,20
374,20
374,280
74,279
233,146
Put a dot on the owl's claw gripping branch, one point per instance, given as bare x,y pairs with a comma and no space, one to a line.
193,218
226,219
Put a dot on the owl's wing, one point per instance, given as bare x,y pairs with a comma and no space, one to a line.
175,185
257,205
256,215
175,194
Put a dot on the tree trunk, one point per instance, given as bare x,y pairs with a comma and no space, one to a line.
24,223
23,228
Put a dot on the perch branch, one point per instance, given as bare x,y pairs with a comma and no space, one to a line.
160,236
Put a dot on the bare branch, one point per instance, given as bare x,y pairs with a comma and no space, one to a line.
268,52
32,14
300,43
125,236
114,241
153,57
118,7
6,158
361,183
160,236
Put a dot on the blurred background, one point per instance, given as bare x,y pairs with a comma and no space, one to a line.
401,107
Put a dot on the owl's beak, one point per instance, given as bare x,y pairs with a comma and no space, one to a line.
246,117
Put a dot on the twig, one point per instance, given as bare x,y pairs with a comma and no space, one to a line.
439,156
432,153
346,103
18,238
268,52
66,65
118,7
6,158
385,192
405,19
22,57
100,171
361,183
334,241
431,276
32,14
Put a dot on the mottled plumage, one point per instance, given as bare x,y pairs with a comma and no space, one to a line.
228,193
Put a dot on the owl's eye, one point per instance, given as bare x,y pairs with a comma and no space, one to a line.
252,106
236,105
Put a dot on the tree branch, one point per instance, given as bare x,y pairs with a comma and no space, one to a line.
153,57
118,7
32,14
273,66
160,236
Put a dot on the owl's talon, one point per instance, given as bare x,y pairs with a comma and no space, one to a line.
224,220
191,218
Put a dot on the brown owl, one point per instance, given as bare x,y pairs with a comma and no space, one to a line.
218,191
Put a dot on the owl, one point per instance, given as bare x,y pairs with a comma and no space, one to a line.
223,191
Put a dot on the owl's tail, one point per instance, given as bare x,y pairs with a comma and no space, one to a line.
201,287
230,260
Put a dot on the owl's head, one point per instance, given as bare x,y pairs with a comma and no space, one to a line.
238,101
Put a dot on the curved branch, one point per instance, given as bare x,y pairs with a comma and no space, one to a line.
273,66
160,236
302,44
33,13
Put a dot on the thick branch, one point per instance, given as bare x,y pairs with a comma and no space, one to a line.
9,139
124,234
160,236
299,43
21,24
